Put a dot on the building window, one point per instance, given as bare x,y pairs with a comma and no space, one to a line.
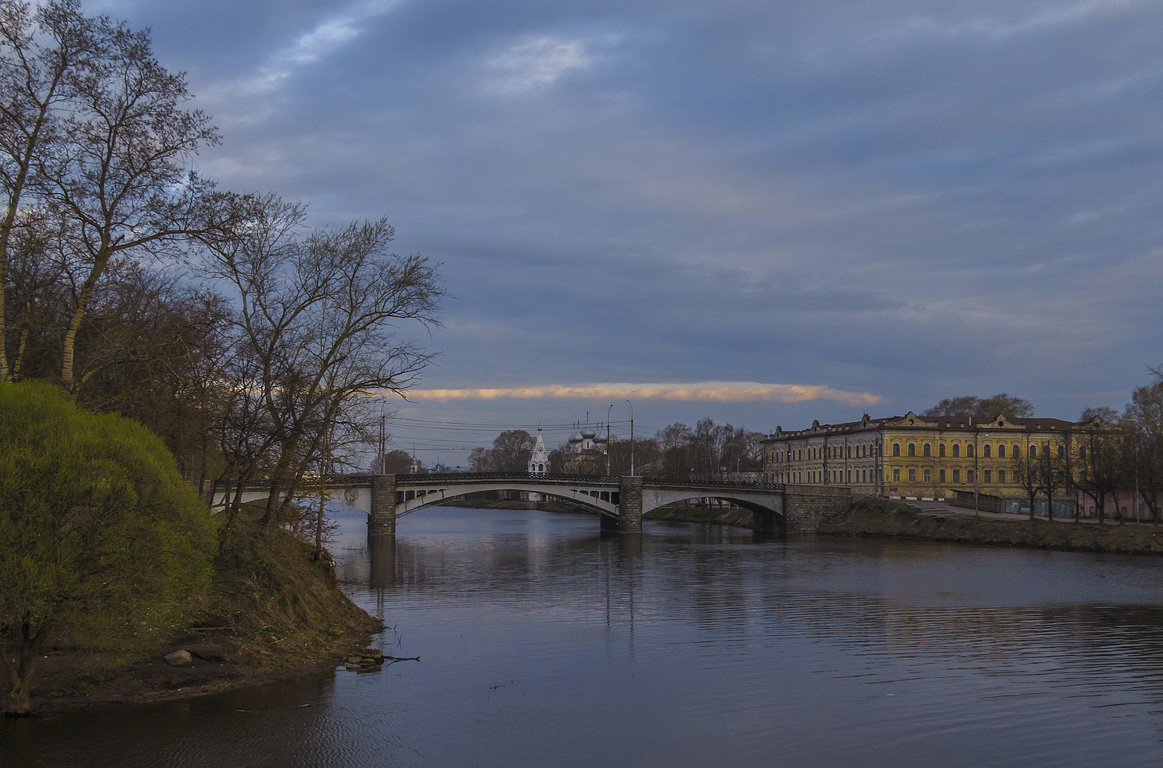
970,450
957,475
912,474
1001,475
988,475
1062,451
956,451
941,450
896,449
986,451
928,475
896,474
926,450
912,449
1001,451
970,475
1033,451
941,475
1017,451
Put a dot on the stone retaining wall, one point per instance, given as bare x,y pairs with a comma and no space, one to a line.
808,506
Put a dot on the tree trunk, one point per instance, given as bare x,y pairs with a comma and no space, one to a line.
20,661
69,346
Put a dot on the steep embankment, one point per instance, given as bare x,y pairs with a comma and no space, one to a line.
883,518
273,613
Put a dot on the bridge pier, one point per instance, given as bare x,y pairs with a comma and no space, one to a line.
630,505
768,522
381,521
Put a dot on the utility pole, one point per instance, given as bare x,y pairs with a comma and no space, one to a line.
631,437
608,445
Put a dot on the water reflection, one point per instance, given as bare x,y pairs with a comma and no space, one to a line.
544,643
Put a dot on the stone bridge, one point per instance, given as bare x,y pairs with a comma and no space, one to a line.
619,502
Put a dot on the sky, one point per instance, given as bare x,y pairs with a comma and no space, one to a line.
758,211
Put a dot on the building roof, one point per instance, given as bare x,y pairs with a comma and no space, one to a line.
912,420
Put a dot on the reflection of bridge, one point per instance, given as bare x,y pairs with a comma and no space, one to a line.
620,502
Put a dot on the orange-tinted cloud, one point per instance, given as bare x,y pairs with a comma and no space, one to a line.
700,391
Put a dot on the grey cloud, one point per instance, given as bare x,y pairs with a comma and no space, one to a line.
923,196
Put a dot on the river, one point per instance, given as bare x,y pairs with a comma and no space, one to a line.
543,644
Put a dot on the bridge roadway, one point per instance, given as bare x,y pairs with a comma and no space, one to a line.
619,502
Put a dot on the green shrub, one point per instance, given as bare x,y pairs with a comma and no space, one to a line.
102,544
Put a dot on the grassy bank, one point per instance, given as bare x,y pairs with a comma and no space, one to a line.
273,613
869,517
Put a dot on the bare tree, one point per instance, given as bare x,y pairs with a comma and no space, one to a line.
991,407
1051,477
1099,468
317,313
122,181
510,453
45,54
1029,477
1143,435
676,459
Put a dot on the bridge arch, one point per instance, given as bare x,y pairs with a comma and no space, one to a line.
412,498
653,498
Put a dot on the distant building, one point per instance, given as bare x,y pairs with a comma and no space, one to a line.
539,458
915,456
585,453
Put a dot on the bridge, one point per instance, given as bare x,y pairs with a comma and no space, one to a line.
619,502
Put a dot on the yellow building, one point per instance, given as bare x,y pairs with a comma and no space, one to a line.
915,456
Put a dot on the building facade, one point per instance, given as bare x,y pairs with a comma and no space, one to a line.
915,456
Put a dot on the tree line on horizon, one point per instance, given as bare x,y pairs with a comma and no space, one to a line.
708,451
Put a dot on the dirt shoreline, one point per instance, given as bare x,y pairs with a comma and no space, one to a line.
274,614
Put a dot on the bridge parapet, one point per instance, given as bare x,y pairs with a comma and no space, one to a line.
620,501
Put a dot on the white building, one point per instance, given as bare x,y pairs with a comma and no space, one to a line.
539,459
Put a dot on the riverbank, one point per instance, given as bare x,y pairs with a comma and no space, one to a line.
273,613
871,518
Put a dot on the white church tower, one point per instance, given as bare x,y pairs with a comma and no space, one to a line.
539,459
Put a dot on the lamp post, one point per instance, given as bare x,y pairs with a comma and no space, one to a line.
631,437
608,446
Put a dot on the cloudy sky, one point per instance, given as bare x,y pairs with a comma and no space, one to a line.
758,211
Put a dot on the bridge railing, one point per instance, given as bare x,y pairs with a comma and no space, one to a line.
733,485
472,477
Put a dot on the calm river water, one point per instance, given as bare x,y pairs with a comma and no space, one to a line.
543,644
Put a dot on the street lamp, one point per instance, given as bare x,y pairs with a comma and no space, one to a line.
608,410
631,437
